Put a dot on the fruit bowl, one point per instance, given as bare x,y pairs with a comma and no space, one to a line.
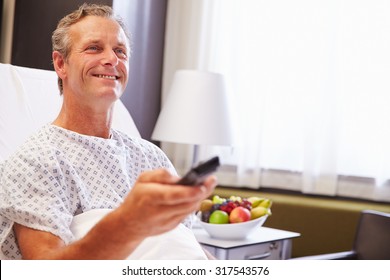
233,231
233,217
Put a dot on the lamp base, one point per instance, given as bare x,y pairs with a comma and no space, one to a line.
195,155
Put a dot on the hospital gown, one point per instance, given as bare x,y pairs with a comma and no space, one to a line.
58,174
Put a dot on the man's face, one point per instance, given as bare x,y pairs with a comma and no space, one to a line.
97,67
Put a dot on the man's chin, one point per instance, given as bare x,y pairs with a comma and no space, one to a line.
109,93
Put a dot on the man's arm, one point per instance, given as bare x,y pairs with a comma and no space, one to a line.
102,242
154,205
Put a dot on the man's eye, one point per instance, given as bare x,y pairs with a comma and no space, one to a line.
92,48
121,53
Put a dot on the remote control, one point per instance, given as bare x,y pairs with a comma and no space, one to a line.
196,175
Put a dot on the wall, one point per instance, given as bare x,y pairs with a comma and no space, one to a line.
34,22
6,30
1,15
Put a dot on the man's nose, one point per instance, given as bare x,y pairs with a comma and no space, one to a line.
110,58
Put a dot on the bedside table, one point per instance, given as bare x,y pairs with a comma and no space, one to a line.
262,243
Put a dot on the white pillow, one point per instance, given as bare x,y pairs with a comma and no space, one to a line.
177,244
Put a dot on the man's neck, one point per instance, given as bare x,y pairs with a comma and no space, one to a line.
86,121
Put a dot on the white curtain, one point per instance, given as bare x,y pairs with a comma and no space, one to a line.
309,80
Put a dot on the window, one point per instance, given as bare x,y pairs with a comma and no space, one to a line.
310,84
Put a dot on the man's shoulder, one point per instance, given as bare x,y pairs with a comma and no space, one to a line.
155,154
134,142
40,138
35,144
131,140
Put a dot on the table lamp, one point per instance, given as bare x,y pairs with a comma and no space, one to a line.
196,111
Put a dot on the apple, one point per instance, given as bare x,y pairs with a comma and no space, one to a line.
239,214
219,217
206,205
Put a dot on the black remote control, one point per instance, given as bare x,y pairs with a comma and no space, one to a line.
196,175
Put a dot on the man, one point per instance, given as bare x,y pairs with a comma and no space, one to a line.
79,163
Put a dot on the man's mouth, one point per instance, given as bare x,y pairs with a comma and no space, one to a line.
109,77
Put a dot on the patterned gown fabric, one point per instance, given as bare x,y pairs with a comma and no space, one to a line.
58,174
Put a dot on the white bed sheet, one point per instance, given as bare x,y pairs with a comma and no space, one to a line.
177,244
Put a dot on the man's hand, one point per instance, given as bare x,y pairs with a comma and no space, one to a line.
156,204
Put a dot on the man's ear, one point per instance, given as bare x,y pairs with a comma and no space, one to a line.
59,64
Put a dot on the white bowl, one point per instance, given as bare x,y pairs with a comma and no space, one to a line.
233,231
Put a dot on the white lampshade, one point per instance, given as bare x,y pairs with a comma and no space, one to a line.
196,110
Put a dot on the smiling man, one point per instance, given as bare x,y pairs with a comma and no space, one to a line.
93,72
78,163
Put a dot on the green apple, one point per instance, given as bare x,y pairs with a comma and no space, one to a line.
219,217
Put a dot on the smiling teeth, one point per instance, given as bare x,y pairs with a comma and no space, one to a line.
107,77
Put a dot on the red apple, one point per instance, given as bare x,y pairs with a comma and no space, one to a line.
239,215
